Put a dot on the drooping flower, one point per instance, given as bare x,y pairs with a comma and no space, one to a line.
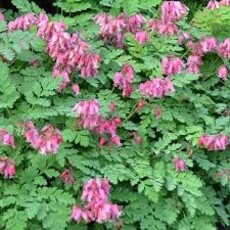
213,4
99,209
172,11
194,62
168,29
47,141
213,142
2,18
109,127
124,80
157,112
223,72
7,167
136,22
172,65
88,64
88,112
157,87
138,140
179,164
6,138
67,176
225,2
23,22
224,48
102,141
69,52
142,37
208,44
140,104
112,106
96,190
76,89
113,30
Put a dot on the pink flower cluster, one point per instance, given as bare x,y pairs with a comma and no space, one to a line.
157,87
171,11
179,164
194,62
6,138
224,48
109,127
69,51
7,167
47,141
124,80
172,65
99,209
24,22
213,142
88,112
214,4
113,30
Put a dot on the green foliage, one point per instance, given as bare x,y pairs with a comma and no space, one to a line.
214,23
153,195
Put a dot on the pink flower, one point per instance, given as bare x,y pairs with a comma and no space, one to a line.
140,104
109,25
6,138
142,37
138,140
76,213
102,141
99,209
115,140
208,44
154,24
88,112
68,51
96,190
113,30
89,65
223,72
112,106
76,89
183,36
157,111
124,80
213,142
213,4
2,18
179,164
172,11
47,141
23,22
172,65
67,176
168,29
157,87
194,62
7,167
9,170
136,22
224,48
225,2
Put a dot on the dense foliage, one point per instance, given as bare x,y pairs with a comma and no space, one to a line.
115,115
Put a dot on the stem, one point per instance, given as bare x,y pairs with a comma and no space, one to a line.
133,111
